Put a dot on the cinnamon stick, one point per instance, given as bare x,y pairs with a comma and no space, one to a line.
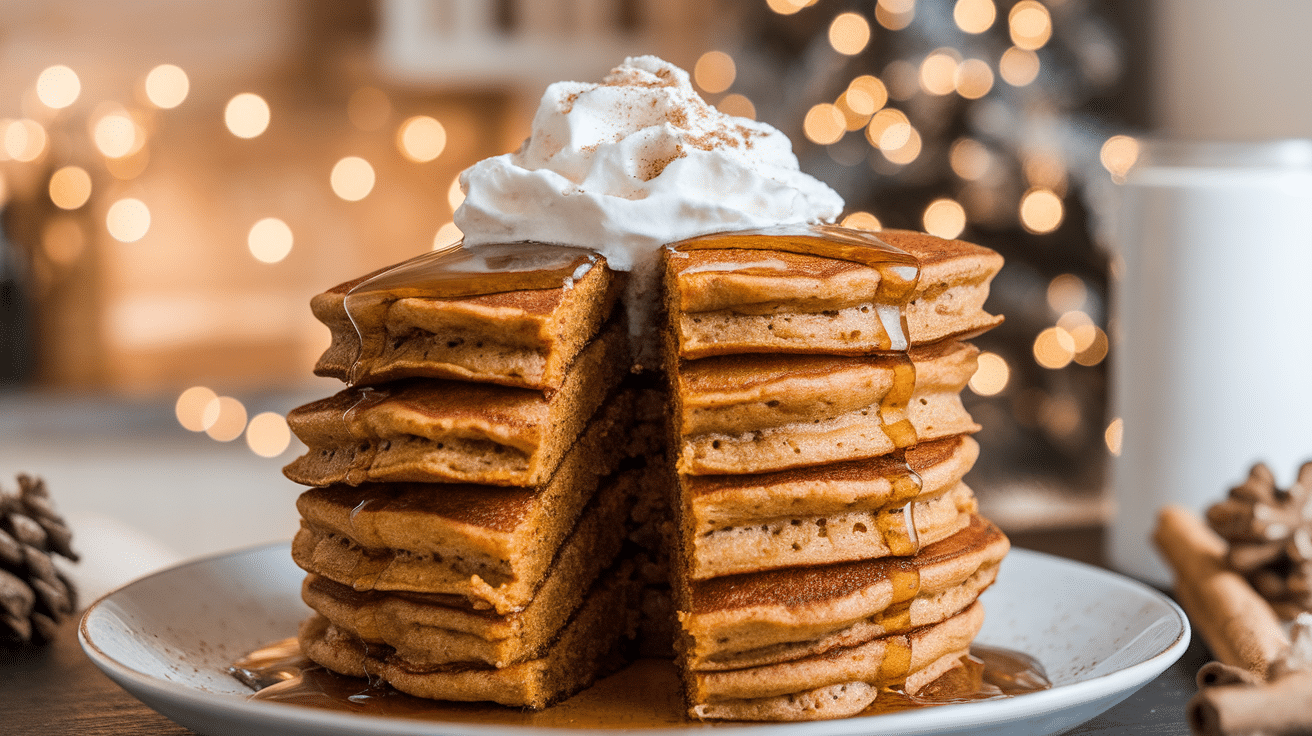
1238,625
1281,706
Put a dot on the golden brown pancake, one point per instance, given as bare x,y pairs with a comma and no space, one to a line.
454,432
829,513
909,661
747,301
524,338
584,649
752,413
775,614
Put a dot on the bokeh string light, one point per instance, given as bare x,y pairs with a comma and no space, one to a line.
247,115
269,240
268,435
352,178
715,72
167,86
70,187
58,87
421,138
128,220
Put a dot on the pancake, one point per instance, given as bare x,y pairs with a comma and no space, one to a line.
792,690
830,513
504,584
772,615
897,529
729,301
454,432
440,628
525,338
585,649
753,414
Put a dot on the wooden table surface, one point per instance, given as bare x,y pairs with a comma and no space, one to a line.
56,690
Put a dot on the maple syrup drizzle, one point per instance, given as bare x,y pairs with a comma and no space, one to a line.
366,447
899,271
647,694
987,673
453,272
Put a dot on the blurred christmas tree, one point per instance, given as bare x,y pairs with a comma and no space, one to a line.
990,120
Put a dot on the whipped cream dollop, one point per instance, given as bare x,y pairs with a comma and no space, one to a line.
635,162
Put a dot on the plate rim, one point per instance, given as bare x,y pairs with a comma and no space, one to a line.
1125,681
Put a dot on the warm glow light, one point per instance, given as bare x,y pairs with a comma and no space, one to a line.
25,140
969,159
938,73
974,16
368,108
1054,348
1114,436
991,375
167,86
1091,344
714,72
788,7
1030,24
1118,154
882,122
270,240
63,240
737,105
421,138
849,33
1074,322
866,94
455,195
70,187
853,120
945,218
824,124
190,408
1041,211
268,435
1018,67
4,186
128,220
862,221
974,78
447,235
224,418
895,136
907,151
352,178
1067,293
247,115
58,87
115,135
895,14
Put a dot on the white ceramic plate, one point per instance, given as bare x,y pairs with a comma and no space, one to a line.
169,638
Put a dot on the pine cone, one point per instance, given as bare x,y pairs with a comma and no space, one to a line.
1270,536
34,596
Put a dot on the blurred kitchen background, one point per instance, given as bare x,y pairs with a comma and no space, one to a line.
178,179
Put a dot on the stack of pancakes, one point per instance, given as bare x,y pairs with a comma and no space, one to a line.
472,486
828,547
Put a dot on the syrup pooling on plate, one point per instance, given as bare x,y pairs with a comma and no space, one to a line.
899,271
646,694
987,673
456,272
